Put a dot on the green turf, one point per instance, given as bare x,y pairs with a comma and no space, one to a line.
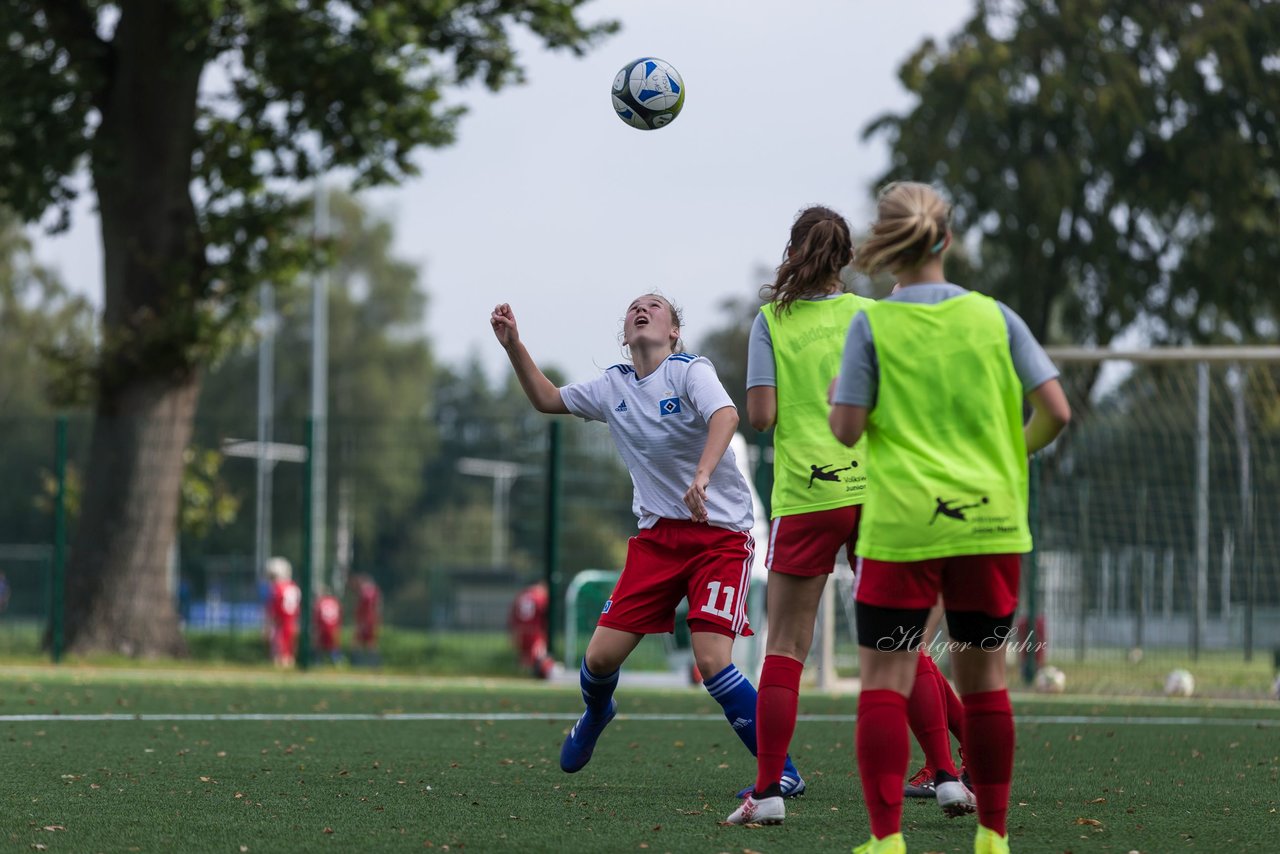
494,785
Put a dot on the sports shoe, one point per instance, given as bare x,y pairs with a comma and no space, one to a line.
792,785
891,844
989,842
576,751
921,784
955,799
763,811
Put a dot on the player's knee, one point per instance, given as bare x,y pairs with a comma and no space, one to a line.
791,644
601,661
712,661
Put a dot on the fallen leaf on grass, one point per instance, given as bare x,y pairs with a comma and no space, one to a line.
1092,822
39,846
1098,801
54,827
328,830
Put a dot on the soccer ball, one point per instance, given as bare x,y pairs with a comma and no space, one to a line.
648,93
1050,680
1179,683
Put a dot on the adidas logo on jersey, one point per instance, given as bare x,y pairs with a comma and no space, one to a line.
621,407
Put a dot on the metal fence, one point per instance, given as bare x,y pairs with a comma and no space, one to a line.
1156,529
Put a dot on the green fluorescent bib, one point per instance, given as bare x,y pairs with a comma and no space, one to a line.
945,434
812,470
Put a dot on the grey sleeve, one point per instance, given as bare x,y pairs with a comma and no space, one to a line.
1030,361
761,370
859,378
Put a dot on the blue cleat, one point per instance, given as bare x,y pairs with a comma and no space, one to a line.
576,751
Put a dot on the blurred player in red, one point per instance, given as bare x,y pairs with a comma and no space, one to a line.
284,600
328,621
528,624
368,616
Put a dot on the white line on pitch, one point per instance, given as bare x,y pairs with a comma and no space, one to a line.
1083,720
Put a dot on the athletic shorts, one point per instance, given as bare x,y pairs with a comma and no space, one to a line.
806,544
983,583
678,558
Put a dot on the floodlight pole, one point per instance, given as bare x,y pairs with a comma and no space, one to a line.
266,425
319,396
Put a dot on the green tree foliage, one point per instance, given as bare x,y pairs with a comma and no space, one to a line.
44,328
40,321
192,118
1115,162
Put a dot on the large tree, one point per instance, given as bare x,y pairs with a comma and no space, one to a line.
1116,162
192,119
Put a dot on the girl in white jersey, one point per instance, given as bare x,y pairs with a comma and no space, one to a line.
671,421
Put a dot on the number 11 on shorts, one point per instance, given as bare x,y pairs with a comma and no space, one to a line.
725,610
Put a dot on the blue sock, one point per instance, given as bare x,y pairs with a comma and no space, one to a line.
597,691
736,695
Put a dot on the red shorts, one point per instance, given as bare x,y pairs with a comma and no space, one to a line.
985,583
678,558
806,544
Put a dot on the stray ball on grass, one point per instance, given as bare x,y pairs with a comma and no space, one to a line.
1179,683
1050,680
648,93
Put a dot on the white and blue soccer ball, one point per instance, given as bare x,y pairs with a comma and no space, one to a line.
1179,683
648,93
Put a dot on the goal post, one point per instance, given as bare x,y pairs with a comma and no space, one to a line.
1157,543
1148,535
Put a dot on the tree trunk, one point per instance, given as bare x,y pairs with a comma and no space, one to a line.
118,593
155,282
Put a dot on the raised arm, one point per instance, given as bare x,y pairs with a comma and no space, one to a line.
720,429
1050,413
542,393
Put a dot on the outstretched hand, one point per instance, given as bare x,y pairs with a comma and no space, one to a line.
503,321
695,497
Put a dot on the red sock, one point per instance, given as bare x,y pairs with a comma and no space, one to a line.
955,709
989,741
777,698
883,750
927,714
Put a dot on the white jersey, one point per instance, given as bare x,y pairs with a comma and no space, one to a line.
659,426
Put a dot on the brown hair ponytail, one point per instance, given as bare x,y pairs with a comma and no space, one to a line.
819,248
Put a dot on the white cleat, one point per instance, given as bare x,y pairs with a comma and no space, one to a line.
763,811
955,799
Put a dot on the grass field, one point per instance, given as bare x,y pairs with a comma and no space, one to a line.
229,761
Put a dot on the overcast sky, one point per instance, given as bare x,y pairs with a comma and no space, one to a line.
550,202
